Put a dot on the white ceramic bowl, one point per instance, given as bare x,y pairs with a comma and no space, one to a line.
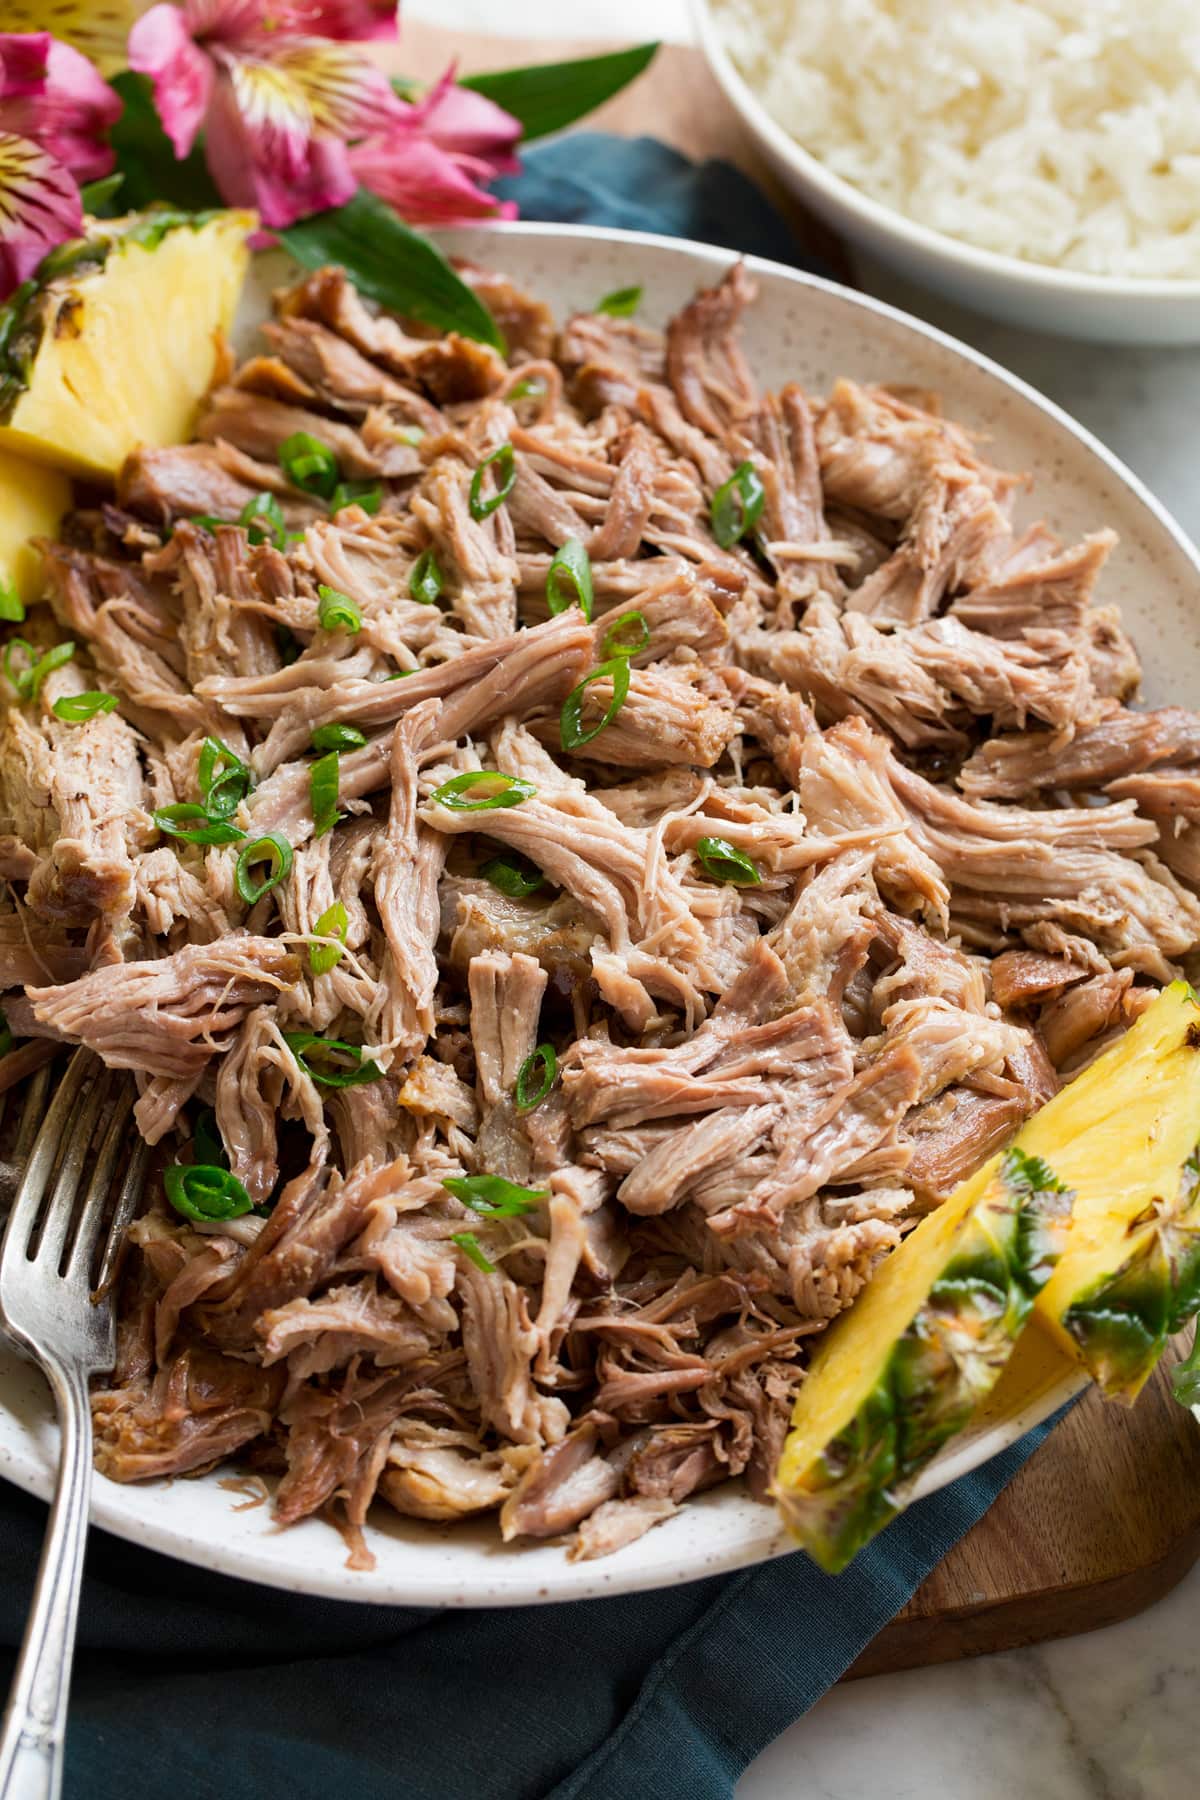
1063,301
809,330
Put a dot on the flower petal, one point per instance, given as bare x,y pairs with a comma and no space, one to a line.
52,94
350,20
161,47
468,124
260,150
423,182
347,95
39,208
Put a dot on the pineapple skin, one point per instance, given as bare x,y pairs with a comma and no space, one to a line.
116,340
33,500
938,1369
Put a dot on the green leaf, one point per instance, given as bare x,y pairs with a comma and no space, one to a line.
145,158
98,197
391,264
550,95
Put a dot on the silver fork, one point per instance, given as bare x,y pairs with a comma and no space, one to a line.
56,1303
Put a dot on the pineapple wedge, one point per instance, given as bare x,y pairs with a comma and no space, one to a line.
907,1365
115,341
914,1357
33,500
1125,1135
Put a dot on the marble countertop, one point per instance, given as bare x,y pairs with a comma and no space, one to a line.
1107,1716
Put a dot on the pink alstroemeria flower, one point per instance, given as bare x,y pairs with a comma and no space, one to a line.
54,107
430,163
277,104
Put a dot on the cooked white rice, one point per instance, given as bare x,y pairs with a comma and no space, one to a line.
1062,131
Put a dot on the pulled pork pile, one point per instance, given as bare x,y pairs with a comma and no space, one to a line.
960,867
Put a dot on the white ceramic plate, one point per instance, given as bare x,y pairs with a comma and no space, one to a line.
811,330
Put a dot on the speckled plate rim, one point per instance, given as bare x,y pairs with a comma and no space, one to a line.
202,1523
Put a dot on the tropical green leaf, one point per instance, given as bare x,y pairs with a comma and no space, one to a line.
393,265
549,96
99,197
145,158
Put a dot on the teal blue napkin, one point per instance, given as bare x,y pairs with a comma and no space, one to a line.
189,1686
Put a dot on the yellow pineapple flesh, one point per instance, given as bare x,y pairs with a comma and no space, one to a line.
33,500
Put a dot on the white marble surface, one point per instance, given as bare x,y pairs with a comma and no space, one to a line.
1107,1716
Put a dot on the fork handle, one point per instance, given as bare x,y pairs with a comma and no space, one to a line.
35,1720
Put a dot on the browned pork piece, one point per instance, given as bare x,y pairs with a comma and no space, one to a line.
562,1112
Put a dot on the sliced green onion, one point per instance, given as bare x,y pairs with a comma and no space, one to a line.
504,474
493,1197
224,779
622,303
535,1078
336,611
77,708
204,1193
570,725
513,875
337,737
12,607
323,785
271,849
208,521
28,682
208,1146
627,636
309,464
409,434
425,581
724,862
329,1062
263,519
367,494
737,505
526,388
334,922
503,790
468,1243
192,824
569,578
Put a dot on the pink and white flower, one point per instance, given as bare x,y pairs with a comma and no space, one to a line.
54,109
430,162
277,104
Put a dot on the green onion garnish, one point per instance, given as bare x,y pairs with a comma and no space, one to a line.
271,849
513,875
208,521
526,388
493,1197
622,303
204,1193
336,611
724,862
207,1144
192,824
569,578
503,790
224,779
323,793
425,581
570,725
468,1243
77,708
737,505
329,1062
504,474
263,519
367,494
535,1078
309,464
12,607
627,636
334,922
337,737
28,681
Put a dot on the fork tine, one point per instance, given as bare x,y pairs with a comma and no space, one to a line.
92,1212
131,1192
53,1134
76,1154
32,1113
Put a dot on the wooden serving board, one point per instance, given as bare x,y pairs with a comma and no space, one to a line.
1104,1518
